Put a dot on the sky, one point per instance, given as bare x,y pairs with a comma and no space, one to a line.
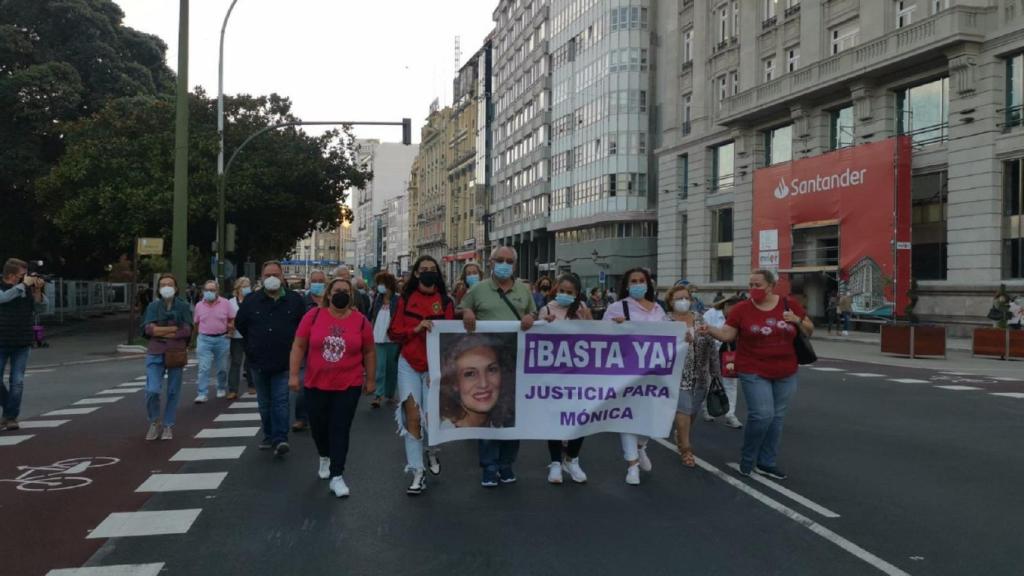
352,60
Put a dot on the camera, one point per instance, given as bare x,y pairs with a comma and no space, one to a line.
35,271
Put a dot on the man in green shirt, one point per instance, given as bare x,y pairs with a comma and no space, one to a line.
500,297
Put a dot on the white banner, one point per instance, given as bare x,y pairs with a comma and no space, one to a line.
557,381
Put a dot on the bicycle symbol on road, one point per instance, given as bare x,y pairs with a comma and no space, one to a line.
62,475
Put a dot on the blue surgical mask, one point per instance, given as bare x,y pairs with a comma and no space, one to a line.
565,300
472,279
637,291
503,270
317,288
246,291
382,289
209,295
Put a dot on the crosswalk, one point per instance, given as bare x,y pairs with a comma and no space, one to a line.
949,381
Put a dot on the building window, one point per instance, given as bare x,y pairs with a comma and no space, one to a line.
723,25
734,79
769,69
735,19
841,128
723,89
778,145
686,115
905,12
722,166
844,37
928,226
721,245
793,59
1013,218
682,245
922,112
939,6
688,46
682,176
769,10
1014,90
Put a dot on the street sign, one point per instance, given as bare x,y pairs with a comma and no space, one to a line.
229,267
602,277
903,245
149,246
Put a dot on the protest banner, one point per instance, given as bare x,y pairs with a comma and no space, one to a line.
557,381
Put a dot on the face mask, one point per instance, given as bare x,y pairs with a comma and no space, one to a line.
382,289
340,300
167,292
246,291
361,291
503,270
565,300
637,291
317,288
272,283
209,295
429,279
758,295
681,306
472,279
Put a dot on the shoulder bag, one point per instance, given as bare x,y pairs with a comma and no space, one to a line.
802,344
718,401
175,357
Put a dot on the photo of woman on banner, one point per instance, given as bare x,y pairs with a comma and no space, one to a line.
478,380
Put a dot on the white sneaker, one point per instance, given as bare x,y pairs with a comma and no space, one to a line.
419,483
221,393
325,469
574,470
555,473
845,333
433,462
339,487
733,422
167,434
154,431
645,460
201,399
706,417
633,475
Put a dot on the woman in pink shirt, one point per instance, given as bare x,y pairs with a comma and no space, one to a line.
637,303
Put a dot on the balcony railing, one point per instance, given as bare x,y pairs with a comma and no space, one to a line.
1014,116
770,22
792,10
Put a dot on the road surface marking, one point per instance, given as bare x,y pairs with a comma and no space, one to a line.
246,432
117,570
797,517
806,503
182,482
238,417
1006,394
72,411
122,524
7,440
827,369
909,381
91,401
957,373
132,385
43,423
958,388
218,453
139,378
244,405
121,391
1006,378
866,375
43,371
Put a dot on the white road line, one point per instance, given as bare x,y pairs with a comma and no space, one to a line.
132,385
72,411
1004,394
43,371
1006,378
8,440
240,404
141,377
957,388
218,453
116,570
909,381
238,417
246,432
182,482
93,401
121,391
799,518
806,503
866,375
826,369
122,524
957,373
43,423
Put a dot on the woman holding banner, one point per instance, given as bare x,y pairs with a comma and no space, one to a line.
424,299
637,303
566,305
764,328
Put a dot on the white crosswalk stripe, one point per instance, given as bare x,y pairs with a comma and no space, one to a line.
147,523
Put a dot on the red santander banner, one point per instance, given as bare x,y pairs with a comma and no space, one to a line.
863,192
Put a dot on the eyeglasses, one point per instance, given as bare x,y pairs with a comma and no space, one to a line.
504,260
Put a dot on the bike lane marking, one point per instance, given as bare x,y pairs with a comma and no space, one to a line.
117,570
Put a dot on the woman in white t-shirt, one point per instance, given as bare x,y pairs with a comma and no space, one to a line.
384,303
243,287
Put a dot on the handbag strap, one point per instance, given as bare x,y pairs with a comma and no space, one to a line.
625,309
509,303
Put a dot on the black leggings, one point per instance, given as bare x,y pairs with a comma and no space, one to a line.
573,450
330,419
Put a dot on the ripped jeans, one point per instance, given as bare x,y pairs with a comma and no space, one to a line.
412,384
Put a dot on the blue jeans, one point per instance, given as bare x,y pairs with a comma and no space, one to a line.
498,453
846,321
272,397
154,384
767,401
10,396
387,370
213,353
412,385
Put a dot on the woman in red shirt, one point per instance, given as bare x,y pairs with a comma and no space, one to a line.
424,299
336,342
764,328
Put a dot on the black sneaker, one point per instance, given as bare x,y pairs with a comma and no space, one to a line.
506,475
265,445
281,449
745,471
490,478
771,472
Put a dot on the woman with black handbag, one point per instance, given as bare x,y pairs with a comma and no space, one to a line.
699,372
765,328
167,324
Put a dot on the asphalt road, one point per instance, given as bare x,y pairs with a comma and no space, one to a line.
886,477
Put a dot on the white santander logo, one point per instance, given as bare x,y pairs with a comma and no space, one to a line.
818,183
781,191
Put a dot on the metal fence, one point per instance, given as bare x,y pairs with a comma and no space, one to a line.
84,299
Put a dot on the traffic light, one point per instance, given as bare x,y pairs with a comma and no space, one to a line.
407,131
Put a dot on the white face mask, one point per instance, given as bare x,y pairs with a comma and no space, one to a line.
272,283
681,305
167,292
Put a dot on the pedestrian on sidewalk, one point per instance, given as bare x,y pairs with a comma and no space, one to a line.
267,320
471,275
501,297
845,309
567,304
637,303
21,296
424,300
715,316
334,344
764,328
167,324
385,304
214,319
243,287
312,299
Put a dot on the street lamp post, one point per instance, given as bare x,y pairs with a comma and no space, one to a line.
221,228
179,227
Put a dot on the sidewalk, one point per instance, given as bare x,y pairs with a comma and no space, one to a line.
80,341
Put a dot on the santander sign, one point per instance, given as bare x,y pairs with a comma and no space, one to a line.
819,183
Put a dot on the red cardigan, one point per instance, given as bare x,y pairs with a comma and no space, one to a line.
410,313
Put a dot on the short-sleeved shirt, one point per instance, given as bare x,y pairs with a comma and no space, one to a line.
486,302
212,319
637,313
334,356
764,341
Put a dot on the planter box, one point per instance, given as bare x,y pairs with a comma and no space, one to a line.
914,341
998,343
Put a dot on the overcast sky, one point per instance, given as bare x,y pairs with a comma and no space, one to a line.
336,59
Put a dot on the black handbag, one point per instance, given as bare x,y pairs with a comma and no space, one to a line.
718,401
995,314
802,344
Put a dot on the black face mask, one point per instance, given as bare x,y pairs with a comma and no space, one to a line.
340,300
429,279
